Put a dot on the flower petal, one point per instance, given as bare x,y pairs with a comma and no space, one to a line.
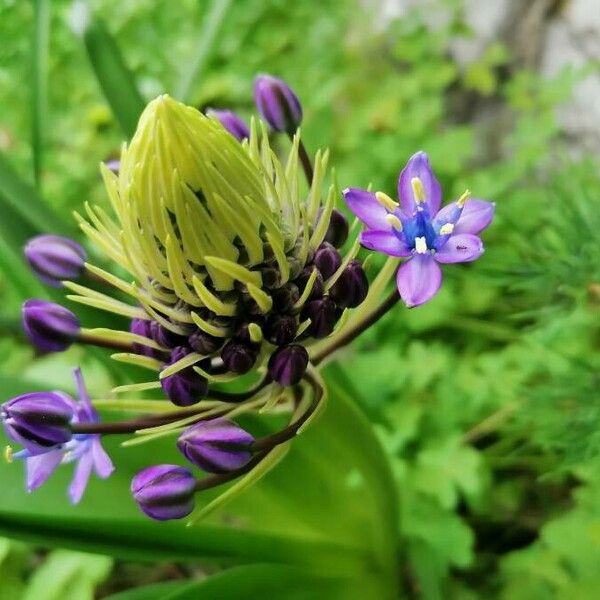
102,463
418,166
384,241
83,469
463,247
40,467
475,217
365,206
419,279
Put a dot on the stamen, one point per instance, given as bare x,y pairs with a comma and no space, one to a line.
418,190
386,201
394,221
420,245
447,229
8,454
461,201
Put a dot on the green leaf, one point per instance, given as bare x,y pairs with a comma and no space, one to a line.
113,75
206,45
258,581
39,91
335,468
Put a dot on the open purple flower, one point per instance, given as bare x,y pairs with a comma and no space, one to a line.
83,449
417,228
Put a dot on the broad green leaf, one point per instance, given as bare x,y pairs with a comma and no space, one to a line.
330,504
113,75
39,91
260,581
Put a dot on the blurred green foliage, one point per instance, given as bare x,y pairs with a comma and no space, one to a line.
486,400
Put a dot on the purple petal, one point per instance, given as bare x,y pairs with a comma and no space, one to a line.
418,166
83,469
475,217
86,411
365,206
463,247
39,468
384,241
102,463
419,279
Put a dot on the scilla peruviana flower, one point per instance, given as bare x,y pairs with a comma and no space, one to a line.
417,228
56,412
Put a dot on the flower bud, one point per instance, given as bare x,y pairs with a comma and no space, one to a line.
40,421
280,329
285,297
185,387
337,232
113,164
302,281
50,327
164,492
142,327
216,446
239,357
204,343
352,286
165,338
327,260
277,103
322,316
54,259
232,122
287,365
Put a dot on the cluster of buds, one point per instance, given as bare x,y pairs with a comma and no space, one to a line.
227,264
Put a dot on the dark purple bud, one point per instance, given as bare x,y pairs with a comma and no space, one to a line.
337,232
216,446
114,164
165,338
271,277
285,297
322,315
142,327
288,365
232,122
352,286
185,387
239,357
277,103
327,260
302,281
203,343
50,327
280,329
164,492
54,259
39,421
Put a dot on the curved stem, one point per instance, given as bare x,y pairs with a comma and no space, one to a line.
354,332
305,161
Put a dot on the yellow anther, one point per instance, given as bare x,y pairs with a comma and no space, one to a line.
420,245
446,229
418,190
386,201
394,221
8,454
461,201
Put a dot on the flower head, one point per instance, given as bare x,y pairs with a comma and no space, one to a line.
417,228
58,411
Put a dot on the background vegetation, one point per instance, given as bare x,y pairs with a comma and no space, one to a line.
485,401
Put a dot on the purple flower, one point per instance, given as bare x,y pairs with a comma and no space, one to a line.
277,103
419,230
49,326
216,446
54,259
83,449
232,122
164,492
